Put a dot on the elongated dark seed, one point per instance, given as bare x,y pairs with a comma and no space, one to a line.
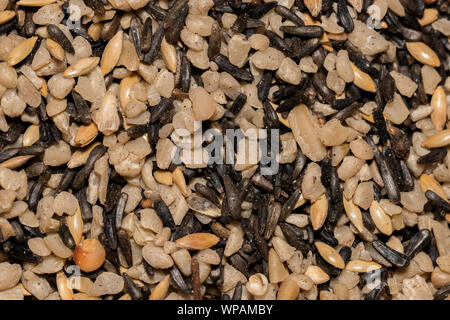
237,294
35,194
163,107
437,200
239,263
394,257
288,206
135,36
328,238
344,16
347,111
146,36
277,42
232,197
85,206
110,28
132,288
215,42
8,154
174,29
8,26
58,36
208,193
124,245
66,236
179,281
82,175
295,237
264,85
162,210
434,155
110,230
374,294
224,64
120,209
272,219
174,13
358,58
18,232
418,242
195,270
238,103
303,31
97,6
442,293
319,82
288,14
270,115
155,46
262,9
23,254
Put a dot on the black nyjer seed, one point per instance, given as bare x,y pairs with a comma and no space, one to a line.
344,16
58,36
396,258
434,155
418,242
163,211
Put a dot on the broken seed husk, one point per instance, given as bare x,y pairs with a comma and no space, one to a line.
203,206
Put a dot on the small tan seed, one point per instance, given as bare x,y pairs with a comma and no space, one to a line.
169,55
111,54
317,275
361,266
34,3
160,290
353,213
429,16
319,210
6,15
423,53
81,67
21,51
437,140
277,270
362,80
75,225
95,31
15,162
163,177
55,49
198,241
428,182
330,255
439,105
380,218
179,180
257,284
288,290
126,85
86,134
64,290
31,135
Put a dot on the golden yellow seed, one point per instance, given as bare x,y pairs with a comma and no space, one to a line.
21,51
160,290
380,218
163,177
76,225
31,135
319,210
64,290
429,16
329,254
437,140
362,80
6,16
317,275
126,84
81,67
423,53
15,162
111,54
288,290
428,182
34,3
353,213
198,241
180,181
44,89
367,117
383,25
55,49
86,134
439,105
169,55
362,266
95,30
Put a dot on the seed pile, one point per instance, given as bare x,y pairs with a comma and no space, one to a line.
93,206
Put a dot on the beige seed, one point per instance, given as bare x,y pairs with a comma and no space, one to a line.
55,49
163,177
31,135
362,80
75,225
277,270
34,3
21,51
6,15
429,16
198,241
319,210
380,218
437,140
81,67
126,85
361,266
423,53
15,162
86,134
111,54
169,55
160,290
44,89
288,290
95,31
317,275
314,6
353,213
179,180
64,290
428,182
439,105
257,284
330,255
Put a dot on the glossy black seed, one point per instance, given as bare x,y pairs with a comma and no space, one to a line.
224,64
58,36
80,179
303,31
232,197
162,210
264,85
66,236
110,28
125,247
437,200
418,242
288,14
237,104
110,230
345,253
21,253
155,46
288,206
396,258
132,288
262,9
434,155
19,235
